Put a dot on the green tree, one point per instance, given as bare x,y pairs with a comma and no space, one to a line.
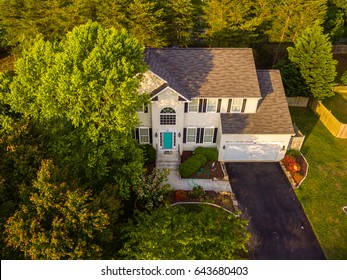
336,19
290,17
312,53
294,84
179,22
232,23
56,221
82,93
186,232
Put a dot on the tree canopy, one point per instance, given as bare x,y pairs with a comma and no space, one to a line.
55,221
312,53
82,93
190,232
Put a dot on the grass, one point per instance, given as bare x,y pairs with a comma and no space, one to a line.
338,106
324,192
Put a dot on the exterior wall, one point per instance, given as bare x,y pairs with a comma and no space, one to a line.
281,139
145,119
167,98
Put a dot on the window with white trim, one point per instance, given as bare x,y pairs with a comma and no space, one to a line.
193,105
191,135
211,105
144,135
167,116
236,105
208,134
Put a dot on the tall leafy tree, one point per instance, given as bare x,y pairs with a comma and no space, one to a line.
290,17
56,221
336,19
82,92
186,232
179,18
232,23
312,53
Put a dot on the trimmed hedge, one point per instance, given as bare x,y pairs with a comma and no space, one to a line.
210,153
201,158
149,153
189,167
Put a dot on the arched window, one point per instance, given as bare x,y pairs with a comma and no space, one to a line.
167,116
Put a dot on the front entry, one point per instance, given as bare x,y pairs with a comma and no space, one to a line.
167,140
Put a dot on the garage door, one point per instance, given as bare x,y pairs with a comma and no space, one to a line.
251,152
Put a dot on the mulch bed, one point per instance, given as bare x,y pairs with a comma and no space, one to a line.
217,172
295,177
223,199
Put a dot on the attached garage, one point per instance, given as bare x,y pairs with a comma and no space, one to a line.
251,151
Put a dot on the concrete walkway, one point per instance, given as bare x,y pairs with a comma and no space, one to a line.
187,184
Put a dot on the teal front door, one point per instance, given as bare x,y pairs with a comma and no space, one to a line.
167,140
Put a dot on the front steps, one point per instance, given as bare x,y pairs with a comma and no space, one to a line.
170,160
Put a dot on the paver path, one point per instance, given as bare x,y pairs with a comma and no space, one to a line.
278,224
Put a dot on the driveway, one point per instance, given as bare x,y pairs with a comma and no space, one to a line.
277,221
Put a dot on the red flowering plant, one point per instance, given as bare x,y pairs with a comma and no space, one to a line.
293,167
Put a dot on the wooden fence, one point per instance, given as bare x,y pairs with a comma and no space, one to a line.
297,101
336,128
339,49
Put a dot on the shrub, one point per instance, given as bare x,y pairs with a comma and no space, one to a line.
149,153
180,195
201,158
344,78
210,153
197,192
189,167
297,177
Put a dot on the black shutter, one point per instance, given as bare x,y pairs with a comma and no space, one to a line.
215,134
200,105
198,135
219,105
184,135
150,136
186,107
137,136
202,135
243,105
204,106
229,106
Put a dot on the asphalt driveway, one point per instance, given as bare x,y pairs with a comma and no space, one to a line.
277,221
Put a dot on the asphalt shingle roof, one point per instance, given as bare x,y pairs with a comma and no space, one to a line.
272,116
206,72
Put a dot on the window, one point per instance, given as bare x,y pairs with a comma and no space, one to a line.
208,135
193,106
168,116
143,109
144,135
236,105
211,105
191,134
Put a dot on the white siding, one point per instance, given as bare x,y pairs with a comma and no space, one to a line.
167,98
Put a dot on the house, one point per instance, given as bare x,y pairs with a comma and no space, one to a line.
213,97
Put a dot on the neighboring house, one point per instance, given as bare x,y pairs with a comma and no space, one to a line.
214,97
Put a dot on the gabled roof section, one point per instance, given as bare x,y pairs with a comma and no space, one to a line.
272,116
151,82
206,72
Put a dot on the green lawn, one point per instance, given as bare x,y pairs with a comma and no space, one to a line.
324,192
338,106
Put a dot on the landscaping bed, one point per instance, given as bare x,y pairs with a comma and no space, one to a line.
223,199
208,172
295,167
